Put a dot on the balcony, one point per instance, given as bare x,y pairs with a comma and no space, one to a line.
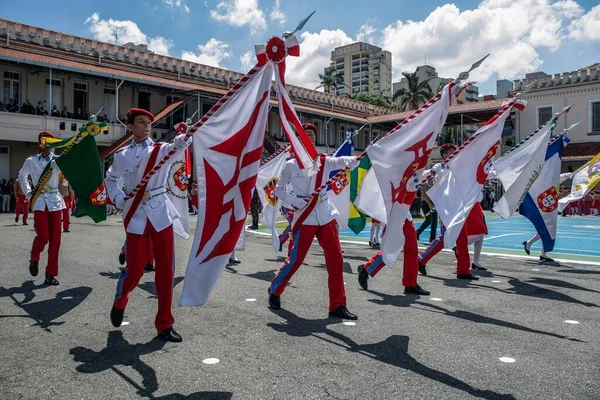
26,128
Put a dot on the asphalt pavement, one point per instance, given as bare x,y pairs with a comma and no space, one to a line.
523,331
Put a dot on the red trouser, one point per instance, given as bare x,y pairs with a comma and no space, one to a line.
328,238
66,213
47,228
22,203
137,257
463,264
411,257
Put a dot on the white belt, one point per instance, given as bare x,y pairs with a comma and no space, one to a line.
148,194
321,198
49,191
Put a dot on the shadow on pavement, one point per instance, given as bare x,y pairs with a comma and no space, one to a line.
559,283
150,287
482,319
45,312
392,351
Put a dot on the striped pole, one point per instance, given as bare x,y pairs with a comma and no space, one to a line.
272,156
197,126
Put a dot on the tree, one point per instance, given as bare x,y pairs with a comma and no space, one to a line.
330,79
417,93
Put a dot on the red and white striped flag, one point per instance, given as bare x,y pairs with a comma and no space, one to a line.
227,151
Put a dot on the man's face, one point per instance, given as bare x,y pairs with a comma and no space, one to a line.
447,153
312,135
141,127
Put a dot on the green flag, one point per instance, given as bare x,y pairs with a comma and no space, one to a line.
80,164
357,220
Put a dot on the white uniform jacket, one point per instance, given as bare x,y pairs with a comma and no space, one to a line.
127,171
49,196
304,185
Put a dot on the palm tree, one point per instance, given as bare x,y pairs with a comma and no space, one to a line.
330,79
417,93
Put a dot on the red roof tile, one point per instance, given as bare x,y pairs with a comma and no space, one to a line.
581,151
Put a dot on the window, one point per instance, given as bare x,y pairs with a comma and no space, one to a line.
355,76
339,60
364,89
355,83
544,114
355,89
356,69
364,82
355,63
11,87
55,82
595,116
339,66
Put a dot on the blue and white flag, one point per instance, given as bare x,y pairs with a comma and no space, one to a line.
540,205
339,191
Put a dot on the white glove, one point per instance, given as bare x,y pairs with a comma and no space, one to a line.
180,142
299,203
29,195
120,201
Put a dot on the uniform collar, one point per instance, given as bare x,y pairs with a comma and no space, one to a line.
47,158
143,144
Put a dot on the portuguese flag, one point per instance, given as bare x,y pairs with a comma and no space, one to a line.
80,164
357,220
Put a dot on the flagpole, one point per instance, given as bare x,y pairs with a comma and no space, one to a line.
272,156
455,91
587,164
189,131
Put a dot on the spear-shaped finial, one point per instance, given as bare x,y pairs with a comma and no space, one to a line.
463,76
299,27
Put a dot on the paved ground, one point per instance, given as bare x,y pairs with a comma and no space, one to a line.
58,343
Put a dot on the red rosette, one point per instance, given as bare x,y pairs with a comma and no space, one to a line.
276,50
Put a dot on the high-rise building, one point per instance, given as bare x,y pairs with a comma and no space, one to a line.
469,95
424,72
503,88
364,67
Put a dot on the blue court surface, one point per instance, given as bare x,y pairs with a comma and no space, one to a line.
578,238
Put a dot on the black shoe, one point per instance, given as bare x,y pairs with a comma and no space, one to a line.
16,219
526,249
122,258
422,269
468,276
50,280
34,268
363,277
342,312
455,252
280,248
274,301
253,227
416,290
546,259
66,231
234,261
25,223
170,335
116,316
149,268
478,267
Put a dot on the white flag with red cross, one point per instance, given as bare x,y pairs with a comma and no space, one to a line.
227,153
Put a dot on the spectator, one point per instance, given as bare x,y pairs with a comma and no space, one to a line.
2,106
5,190
492,198
39,109
78,114
106,119
27,107
55,112
12,106
65,113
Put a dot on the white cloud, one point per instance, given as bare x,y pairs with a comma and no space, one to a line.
276,14
511,31
241,13
121,32
315,55
211,53
248,59
177,4
586,27
365,33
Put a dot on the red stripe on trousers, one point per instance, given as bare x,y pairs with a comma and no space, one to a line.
327,236
66,212
137,257
463,264
47,228
411,256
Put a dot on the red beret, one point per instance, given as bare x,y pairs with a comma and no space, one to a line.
307,126
44,134
134,112
447,146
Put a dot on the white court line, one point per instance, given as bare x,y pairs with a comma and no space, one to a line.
499,236
486,253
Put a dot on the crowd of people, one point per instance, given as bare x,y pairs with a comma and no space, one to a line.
40,109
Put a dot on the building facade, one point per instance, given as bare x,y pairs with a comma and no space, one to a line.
549,94
364,67
423,72
503,88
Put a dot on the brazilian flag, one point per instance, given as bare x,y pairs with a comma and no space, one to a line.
357,220
81,166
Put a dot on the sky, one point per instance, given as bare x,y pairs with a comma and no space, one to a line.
521,35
